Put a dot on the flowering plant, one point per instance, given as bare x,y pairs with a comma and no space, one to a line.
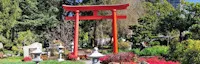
157,60
70,56
27,58
120,57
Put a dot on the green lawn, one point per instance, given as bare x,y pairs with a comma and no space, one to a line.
17,60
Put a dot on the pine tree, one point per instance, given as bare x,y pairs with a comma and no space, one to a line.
9,15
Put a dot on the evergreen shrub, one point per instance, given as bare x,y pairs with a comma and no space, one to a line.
152,51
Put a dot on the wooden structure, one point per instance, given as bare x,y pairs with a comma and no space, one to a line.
95,16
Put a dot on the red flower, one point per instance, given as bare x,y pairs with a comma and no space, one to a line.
70,56
27,58
103,58
120,57
156,60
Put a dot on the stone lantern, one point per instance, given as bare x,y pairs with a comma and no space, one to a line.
95,56
72,47
37,54
60,53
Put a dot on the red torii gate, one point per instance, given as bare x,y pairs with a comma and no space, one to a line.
95,9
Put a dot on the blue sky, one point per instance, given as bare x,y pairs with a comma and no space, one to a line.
193,1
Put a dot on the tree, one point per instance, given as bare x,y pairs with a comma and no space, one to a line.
195,30
146,29
46,19
181,20
38,15
9,15
187,52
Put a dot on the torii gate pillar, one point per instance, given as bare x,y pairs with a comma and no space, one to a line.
114,30
76,24
95,9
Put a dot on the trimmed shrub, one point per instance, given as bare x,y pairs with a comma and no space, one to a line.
152,51
136,51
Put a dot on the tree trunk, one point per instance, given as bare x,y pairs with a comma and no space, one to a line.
95,35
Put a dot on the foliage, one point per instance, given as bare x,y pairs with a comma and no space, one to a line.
124,50
154,43
136,51
192,53
146,29
84,39
27,59
120,57
8,52
5,41
104,51
151,51
187,52
195,30
25,37
9,15
176,21
11,59
156,60
124,45
66,51
38,15
181,19
15,49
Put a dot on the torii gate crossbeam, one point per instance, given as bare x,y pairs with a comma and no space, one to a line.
95,9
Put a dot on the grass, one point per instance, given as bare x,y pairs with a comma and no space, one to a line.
17,60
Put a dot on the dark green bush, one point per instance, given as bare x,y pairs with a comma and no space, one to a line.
154,43
152,51
136,51
188,52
